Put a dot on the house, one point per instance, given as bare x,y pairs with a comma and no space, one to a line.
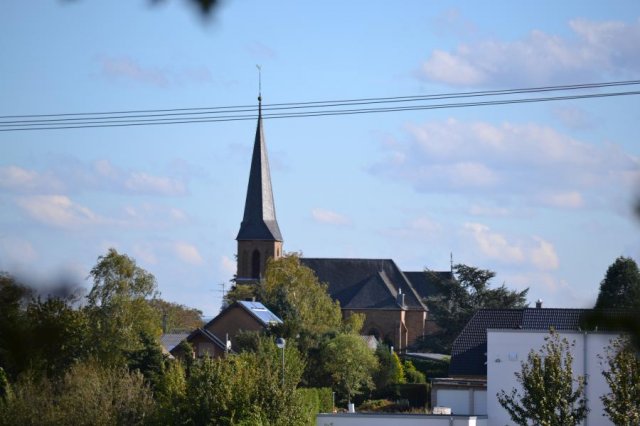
218,337
390,298
490,349
238,317
204,343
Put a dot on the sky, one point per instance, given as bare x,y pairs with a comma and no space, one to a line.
540,193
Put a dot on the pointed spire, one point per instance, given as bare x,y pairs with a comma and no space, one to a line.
259,221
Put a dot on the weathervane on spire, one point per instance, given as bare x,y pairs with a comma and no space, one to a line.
259,83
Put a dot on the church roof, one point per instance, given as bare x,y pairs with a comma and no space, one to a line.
259,221
424,282
365,283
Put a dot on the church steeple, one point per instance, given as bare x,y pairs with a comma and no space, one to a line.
259,237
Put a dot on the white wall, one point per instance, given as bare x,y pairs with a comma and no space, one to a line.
506,349
397,420
460,400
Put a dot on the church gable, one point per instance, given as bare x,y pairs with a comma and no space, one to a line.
376,292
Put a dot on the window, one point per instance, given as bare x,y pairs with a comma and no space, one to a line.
255,264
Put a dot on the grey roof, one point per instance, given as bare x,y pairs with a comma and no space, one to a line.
424,282
259,221
469,352
260,312
365,283
171,340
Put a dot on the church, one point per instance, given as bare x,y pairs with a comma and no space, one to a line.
390,299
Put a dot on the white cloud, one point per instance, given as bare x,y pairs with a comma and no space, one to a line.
534,251
329,217
494,245
17,179
594,50
140,182
59,211
187,253
520,160
544,256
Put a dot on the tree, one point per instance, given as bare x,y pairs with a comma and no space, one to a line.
14,341
390,369
58,335
293,292
350,363
177,318
455,301
88,394
246,388
118,307
548,396
622,403
620,287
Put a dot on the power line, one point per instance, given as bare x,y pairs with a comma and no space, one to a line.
287,110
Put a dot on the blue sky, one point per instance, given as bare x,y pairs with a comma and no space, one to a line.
540,193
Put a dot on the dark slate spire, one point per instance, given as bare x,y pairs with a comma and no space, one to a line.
259,221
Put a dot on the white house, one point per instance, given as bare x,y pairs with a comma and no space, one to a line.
492,346
506,349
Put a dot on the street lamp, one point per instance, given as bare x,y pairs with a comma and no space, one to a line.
281,343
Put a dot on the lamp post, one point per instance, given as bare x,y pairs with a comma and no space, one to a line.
281,343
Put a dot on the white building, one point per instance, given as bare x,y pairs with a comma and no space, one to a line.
508,348
495,342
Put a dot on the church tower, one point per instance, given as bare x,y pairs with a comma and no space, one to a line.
259,237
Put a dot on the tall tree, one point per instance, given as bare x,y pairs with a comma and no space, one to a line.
620,287
622,403
547,396
455,301
119,308
350,363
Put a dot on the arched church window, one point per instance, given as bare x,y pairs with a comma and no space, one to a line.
255,264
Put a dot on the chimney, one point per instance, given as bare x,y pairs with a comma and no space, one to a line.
539,304
400,298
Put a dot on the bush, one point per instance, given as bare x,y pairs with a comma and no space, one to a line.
418,395
431,367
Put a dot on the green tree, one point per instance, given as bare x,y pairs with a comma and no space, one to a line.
390,369
58,335
14,340
622,403
455,301
412,374
88,394
620,287
176,318
246,388
292,291
119,308
350,363
548,396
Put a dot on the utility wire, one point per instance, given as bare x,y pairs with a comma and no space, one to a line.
310,109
